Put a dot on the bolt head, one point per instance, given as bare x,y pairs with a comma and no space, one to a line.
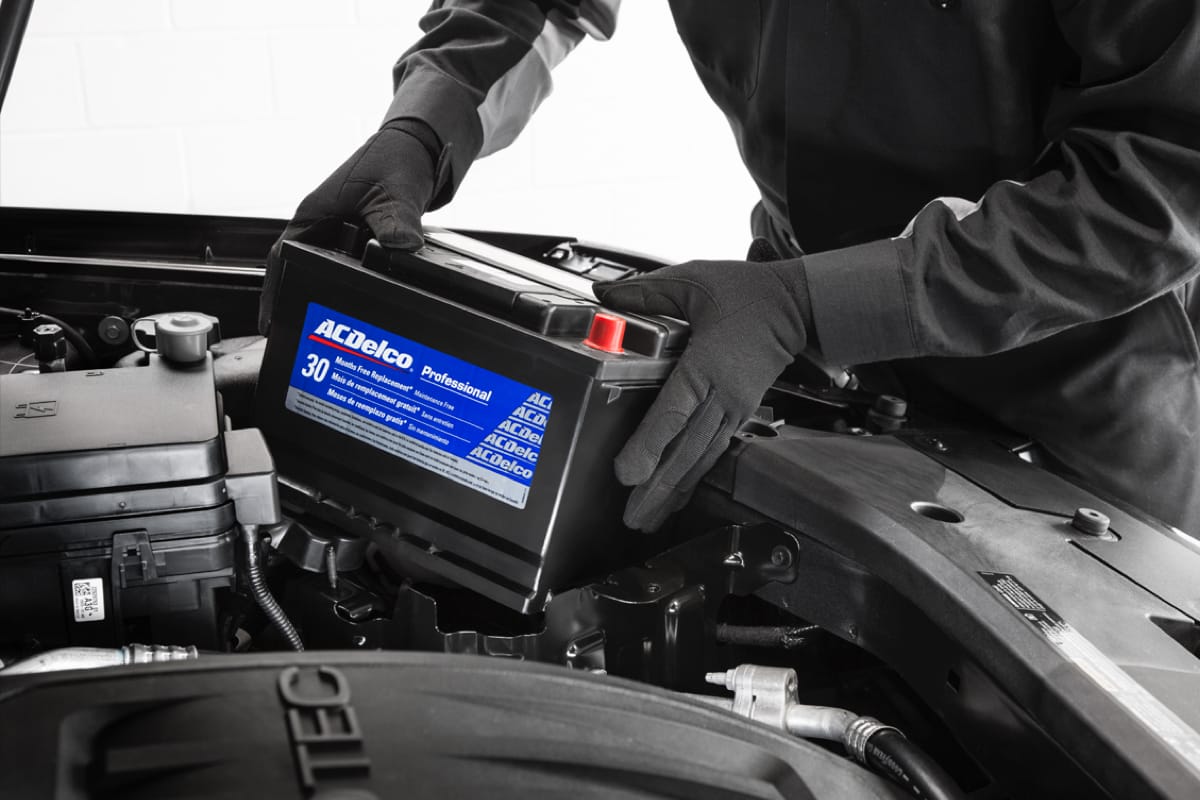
113,330
1090,521
49,342
890,406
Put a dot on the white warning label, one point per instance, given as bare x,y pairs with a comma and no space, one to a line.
87,595
1100,668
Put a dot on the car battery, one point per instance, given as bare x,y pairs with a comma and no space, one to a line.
115,524
464,404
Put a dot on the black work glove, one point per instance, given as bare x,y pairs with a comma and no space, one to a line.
748,321
389,182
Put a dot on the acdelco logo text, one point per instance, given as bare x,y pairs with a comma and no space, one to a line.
357,340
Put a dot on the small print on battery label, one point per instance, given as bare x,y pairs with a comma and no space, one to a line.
459,420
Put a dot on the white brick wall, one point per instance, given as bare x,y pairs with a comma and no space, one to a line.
242,106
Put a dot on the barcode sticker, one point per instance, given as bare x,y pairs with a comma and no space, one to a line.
88,595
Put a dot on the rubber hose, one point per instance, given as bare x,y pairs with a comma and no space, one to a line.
73,336
785,636
890,754
262,595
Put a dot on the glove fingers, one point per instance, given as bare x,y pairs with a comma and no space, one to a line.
644,295
684,463
387,183
391,201
394,220
705,461
666,418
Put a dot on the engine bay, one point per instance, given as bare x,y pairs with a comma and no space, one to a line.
416,467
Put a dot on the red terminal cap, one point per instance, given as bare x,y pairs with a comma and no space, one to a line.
607,333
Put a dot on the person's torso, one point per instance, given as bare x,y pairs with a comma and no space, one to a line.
852,115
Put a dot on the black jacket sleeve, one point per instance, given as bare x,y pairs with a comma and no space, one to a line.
1110,220
483,66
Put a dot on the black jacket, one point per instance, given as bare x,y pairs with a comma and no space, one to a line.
1016,179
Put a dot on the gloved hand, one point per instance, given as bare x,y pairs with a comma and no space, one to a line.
748,321
389,182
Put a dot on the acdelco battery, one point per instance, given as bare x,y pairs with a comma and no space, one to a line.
448,401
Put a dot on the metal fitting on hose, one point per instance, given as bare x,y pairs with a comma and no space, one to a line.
761,693
95,657
819,722
769,695
859,732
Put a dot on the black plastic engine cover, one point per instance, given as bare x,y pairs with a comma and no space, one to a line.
1061,659
370,725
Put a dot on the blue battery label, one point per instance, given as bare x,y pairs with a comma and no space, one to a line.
456,419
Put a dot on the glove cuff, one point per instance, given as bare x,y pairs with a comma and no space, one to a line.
792,274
